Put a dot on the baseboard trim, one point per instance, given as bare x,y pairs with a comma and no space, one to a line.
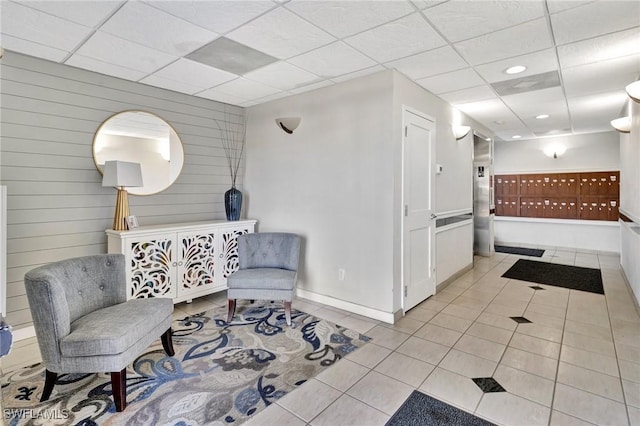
454,277
387,317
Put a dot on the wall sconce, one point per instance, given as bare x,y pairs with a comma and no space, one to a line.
633,90
121,174
622,124
460,132
555,151
288,124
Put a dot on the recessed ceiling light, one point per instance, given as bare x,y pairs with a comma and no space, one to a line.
515,69
542,116
516,137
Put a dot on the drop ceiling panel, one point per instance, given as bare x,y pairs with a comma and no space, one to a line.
531,83
525,38
451,81
343,19
536,63
282,34
556,6
312,86
507,134
430,63
86,13
534,103
193,74
145,25
596,111
38,27
34,49
231,56
397,39
246,89
462,20
107,68
176,86
602,48
587,79
363,72
219,96
282,75
333,60
489,111
472,94
595,19
218,16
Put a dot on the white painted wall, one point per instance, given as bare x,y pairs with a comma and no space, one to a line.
337,182
590,152
630,201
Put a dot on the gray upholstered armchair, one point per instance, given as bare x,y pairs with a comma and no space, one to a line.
268,269
84,323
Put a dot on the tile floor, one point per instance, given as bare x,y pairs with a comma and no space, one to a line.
577,362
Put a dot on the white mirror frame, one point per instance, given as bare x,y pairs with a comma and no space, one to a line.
141,137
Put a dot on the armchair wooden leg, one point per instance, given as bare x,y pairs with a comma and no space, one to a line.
287,312
232,310
119,389
49,381
167,343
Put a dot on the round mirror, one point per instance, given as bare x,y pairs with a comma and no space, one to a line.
144,138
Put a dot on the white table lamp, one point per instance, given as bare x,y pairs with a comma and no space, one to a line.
121,174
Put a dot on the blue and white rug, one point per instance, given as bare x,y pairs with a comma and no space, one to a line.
221,374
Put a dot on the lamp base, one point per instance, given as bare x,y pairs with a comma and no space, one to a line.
122,211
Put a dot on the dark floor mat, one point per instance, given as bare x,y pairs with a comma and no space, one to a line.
420,409
519,250
572,277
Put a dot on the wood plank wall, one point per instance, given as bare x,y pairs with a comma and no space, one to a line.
57,207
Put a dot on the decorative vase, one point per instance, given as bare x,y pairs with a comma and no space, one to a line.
233,203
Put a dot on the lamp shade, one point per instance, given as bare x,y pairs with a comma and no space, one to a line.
288,124
460,131
121,174
633,90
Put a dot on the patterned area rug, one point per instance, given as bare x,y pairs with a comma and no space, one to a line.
221,374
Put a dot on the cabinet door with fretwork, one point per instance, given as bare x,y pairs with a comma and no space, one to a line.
151,266
229,249
197,259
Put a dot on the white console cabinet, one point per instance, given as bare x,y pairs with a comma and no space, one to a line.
179,261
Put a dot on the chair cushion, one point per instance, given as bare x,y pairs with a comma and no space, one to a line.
114,329
262,278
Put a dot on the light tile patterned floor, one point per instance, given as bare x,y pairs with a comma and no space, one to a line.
576,363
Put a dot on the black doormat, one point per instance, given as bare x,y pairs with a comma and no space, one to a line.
420,409
573,277
519,250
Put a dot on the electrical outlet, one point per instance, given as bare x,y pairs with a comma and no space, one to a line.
341,273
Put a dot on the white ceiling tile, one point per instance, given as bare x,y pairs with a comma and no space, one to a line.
35,26
34,49
601,48
448,82
193,74
345,18
462,20
312,86
556,6
176,86
282,75
530,103
145,25
361,73
246,89
397,39
107,48
226,98
101,67
426,64
280,33
86,13
587,79
507,134
536,63
424,4
525,38
219,16
472,94
595,19
269,98
333,60
489,111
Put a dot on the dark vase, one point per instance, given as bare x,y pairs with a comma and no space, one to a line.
233,203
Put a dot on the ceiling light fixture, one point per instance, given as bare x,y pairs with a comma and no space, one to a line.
554,150
516,137
622,124
517,69
288,124
460,131
542,116
633,90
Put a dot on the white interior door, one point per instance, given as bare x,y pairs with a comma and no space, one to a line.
419,221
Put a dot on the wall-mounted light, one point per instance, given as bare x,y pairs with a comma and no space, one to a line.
633,90
554,150
460,131
288,124
622,124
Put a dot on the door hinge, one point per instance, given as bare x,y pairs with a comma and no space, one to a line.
405,291
406,209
